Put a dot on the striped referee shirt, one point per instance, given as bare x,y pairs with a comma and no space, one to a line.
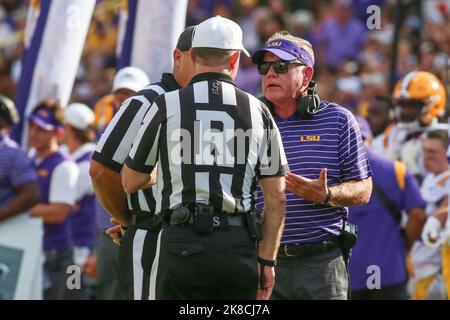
115,143
211,141
330,139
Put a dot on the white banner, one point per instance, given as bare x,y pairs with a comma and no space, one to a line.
152,30
54,39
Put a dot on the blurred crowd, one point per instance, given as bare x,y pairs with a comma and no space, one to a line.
353,62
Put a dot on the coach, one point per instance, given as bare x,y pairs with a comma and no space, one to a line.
329,172
206,179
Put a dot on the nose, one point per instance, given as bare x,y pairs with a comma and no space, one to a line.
271,72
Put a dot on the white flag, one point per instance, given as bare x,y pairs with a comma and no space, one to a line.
148,33
54,39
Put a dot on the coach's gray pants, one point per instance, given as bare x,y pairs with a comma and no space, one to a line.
320,277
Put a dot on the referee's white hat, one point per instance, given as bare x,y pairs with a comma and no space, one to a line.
218,32
79,116
131,78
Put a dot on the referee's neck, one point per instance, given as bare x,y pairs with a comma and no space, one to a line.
205,69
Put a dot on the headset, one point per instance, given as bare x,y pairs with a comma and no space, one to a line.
8,110
307,105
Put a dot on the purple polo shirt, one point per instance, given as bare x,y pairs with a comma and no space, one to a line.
330,139
15,169
380,242
341,41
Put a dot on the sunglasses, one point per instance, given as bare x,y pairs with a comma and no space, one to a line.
279,66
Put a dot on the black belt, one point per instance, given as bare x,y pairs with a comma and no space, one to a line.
309,249
219,219
224,220
143,220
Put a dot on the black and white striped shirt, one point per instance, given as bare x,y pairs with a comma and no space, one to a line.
115,143
210,141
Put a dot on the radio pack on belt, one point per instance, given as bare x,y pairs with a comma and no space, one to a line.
203,218
254,224
348,238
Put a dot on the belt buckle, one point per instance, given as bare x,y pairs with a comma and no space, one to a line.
287,254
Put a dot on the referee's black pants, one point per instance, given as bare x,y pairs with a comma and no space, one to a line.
218,265
136,254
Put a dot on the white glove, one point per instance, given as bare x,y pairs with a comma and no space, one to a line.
430,232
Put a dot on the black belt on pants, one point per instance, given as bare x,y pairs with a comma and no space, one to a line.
219,219
309,249
142,219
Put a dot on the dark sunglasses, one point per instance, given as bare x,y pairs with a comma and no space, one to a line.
279,66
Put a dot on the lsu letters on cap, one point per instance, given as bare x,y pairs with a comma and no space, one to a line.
220,33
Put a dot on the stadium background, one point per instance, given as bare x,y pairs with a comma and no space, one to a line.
423,43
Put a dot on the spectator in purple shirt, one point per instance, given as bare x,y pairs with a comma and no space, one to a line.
342,37
19,191
329,172
79,135
395,189
57,178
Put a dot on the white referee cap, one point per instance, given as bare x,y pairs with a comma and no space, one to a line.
220,33
79,116
131,78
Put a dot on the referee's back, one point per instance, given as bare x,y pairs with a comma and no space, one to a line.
212,140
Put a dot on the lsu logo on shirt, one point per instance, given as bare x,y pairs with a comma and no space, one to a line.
309,138
42,172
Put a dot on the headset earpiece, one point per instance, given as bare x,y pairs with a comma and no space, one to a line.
306,105
309,104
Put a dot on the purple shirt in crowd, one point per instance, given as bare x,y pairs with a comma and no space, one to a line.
15,169
83,221
330,139
341,41
380,242
56,235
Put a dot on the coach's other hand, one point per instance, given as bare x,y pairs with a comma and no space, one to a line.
312,190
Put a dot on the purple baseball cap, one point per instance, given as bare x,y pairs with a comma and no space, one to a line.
45,119
364,128
285,50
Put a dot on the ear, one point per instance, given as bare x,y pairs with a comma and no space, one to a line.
176,56
59,133
234,60
308,75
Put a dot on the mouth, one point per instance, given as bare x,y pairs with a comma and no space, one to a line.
272,85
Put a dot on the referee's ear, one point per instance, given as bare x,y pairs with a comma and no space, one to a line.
234,63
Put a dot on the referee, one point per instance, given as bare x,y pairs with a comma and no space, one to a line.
137,249
211,141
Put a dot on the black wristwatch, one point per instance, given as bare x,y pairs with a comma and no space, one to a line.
267,263
328,198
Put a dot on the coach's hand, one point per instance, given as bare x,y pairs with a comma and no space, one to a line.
266,276
312,190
